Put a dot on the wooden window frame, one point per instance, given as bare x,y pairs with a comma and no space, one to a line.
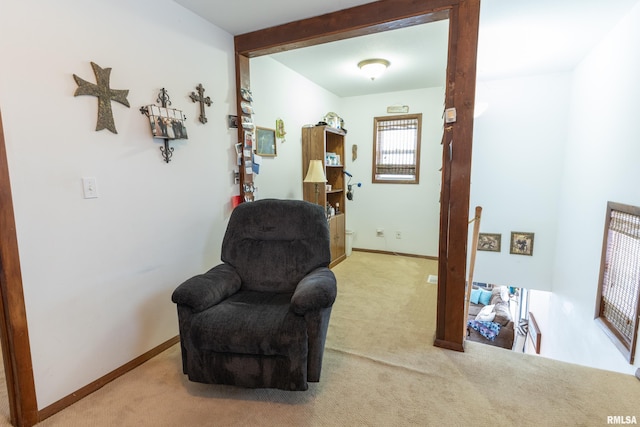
374,176
626,347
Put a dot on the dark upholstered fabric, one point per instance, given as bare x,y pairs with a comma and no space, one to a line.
260,319
273,244
249,322
205,290
315,291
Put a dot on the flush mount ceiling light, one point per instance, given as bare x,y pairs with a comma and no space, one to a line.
373,68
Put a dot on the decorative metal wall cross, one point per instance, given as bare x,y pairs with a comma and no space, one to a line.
166,123
105,95
202,100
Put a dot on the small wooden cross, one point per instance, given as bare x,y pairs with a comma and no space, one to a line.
202,100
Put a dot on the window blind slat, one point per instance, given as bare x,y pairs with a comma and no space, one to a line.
396,148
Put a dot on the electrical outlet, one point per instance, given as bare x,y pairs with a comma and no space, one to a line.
398,235
379,232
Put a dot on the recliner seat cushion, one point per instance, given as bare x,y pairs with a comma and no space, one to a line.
249,322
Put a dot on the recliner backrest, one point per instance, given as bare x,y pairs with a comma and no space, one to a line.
274,243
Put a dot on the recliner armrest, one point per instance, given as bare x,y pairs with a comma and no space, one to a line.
316,290
206,290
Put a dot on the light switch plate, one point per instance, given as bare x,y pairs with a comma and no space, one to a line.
89,187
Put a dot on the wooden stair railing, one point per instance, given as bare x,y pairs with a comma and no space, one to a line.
472,263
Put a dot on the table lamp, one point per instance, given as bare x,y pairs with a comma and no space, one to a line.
315,174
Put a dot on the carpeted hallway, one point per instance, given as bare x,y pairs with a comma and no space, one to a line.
380,369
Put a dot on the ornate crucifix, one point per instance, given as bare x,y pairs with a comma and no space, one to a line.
202,100
105,95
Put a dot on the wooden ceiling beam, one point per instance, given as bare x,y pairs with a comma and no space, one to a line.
357,21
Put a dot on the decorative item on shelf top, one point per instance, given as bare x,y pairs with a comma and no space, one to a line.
105,95
199,97
333,120
166,123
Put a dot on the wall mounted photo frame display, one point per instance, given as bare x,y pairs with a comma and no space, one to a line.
167,123
490,242
521,243
266,142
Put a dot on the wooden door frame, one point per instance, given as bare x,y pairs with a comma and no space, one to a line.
386,15
14,334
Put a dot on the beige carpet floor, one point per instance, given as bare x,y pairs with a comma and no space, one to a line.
380,369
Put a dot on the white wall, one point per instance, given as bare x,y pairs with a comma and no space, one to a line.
98,273
413,210
516,173
601,165
525,175
279,92
549,153
569,334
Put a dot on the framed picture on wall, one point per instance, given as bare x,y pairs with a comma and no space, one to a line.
490,242
521,243
266,142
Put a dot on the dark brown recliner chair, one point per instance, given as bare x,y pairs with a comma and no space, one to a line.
260,318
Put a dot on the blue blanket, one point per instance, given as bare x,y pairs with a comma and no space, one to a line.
489,330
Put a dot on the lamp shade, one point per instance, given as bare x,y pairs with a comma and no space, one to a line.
315,172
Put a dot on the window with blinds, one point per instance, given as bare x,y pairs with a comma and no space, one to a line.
396,149
619,287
